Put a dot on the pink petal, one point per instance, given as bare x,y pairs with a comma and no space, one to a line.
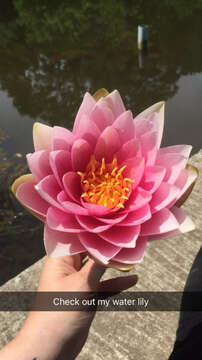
86,107
42,136
138,198
157,108
128,256
166,235
91,224
62,139
161,222
130,149
122,236
60,162
102,115
134,170
185,225
113,218
125,126
137,217
72,185
61,221
153,177
48,189
70,206
144,125
94,209
80,154
163,197
183,150
184,181
149,147
173,163
59,243
62,196
108,143
97,247
120,266
21,180
185,222
39,164
115,103
28,196
88,131
74,208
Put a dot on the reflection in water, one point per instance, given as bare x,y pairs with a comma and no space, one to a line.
51,54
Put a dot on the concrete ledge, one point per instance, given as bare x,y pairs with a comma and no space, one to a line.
131,335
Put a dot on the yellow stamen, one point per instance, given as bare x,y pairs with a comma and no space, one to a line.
122,169
120,205
80,174
114,171
124,197
129,180
114,162
104,183
102,167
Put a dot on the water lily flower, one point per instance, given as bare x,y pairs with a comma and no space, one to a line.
107,188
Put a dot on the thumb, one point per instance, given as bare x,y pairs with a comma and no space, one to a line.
92,272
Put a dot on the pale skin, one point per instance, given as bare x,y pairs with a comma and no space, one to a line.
60,335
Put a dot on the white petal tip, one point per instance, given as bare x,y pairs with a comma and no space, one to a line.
187,226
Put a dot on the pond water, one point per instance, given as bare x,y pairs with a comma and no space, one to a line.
51,53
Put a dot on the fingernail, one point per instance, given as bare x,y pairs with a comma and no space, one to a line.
134,278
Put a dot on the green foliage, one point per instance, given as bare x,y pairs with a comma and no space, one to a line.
88,22
53,51
79,20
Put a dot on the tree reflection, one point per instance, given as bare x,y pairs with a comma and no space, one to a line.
47,63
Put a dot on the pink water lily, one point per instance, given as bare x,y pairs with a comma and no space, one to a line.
107,188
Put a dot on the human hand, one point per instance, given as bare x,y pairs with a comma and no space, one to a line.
51,335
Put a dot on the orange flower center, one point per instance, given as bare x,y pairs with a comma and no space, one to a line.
104,184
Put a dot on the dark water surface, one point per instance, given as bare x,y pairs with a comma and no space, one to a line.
51,53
